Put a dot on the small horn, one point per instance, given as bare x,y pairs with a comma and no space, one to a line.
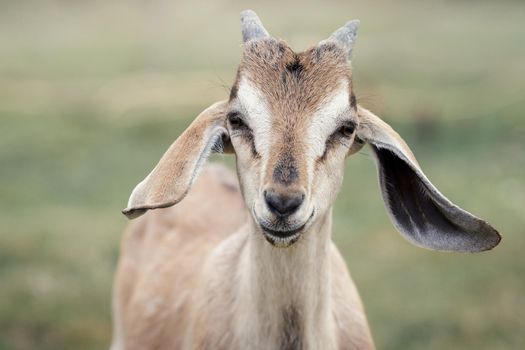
346,35
252,27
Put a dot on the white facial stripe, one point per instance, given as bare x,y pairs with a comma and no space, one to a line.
325,119
255,108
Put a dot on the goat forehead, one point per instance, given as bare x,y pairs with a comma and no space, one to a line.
294,84
265,116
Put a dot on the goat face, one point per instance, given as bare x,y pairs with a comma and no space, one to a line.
291,120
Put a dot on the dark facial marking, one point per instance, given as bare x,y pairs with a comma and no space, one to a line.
292,332
295,67
235,87
286,171
329,145
233,92
342,132
248,137
353,101
255,154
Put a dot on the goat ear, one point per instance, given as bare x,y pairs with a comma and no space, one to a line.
170,180
418,210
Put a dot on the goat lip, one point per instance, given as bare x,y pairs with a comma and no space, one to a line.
290,234
282,234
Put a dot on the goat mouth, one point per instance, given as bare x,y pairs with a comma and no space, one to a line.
282,234
284,238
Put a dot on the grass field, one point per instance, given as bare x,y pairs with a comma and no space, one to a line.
92,93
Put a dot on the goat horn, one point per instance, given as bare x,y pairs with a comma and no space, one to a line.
345,36
252,28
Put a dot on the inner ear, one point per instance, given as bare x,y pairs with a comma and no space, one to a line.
223,144
408,198
423,215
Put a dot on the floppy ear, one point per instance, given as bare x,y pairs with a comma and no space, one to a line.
418,210
170,180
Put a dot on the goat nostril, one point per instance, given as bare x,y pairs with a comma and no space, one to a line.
282,204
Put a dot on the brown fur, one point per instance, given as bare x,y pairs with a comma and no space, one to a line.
294,84
268,63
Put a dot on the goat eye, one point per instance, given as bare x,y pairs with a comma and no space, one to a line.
347,130
235,120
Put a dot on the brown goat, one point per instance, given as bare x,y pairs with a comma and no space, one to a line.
247,262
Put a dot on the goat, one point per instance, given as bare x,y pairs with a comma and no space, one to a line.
247,261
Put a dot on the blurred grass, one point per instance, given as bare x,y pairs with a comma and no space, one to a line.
92,93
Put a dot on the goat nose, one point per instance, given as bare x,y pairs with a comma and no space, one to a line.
283,204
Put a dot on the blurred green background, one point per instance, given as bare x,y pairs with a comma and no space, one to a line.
93,92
